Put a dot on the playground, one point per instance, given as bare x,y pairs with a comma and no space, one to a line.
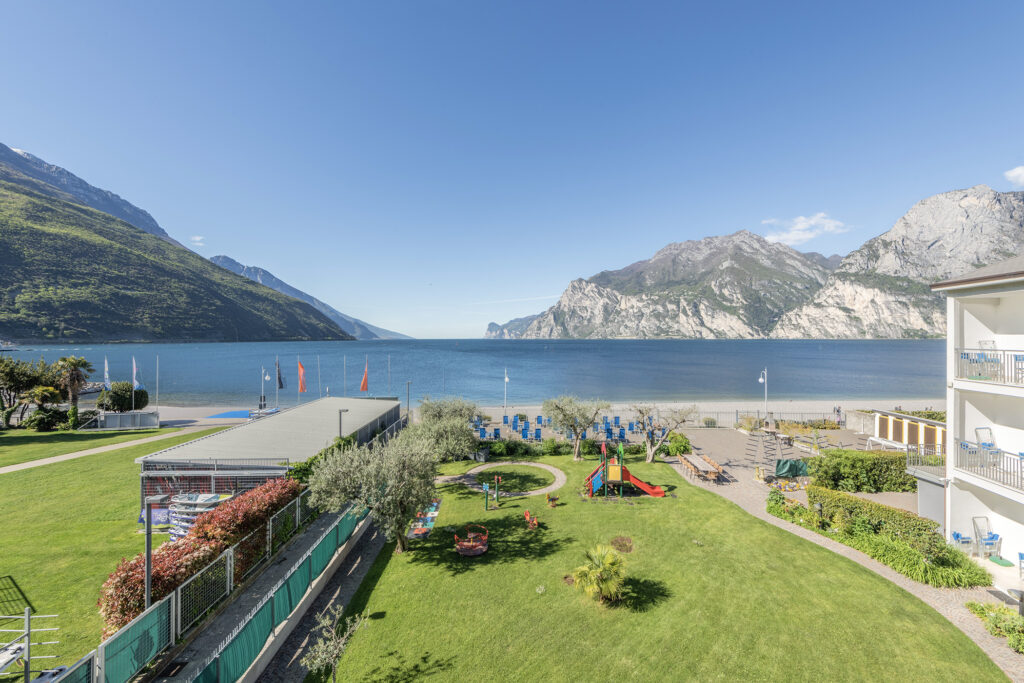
712,592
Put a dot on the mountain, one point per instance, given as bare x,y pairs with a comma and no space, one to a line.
32,173
740,286
735,286
354,326
72,273
881,289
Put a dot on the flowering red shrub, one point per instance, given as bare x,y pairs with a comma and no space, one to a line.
123,595
237,518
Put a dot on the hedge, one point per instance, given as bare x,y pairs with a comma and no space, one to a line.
871,471
123,595
898,539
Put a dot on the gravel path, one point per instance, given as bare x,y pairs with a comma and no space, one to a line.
469,478
729,449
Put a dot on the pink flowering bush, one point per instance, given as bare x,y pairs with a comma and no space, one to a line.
123,595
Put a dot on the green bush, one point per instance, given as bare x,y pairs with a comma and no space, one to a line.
900,524
72,417
119,398
515,449
555,447
1001,620
710,422
589,447
934,415
872,471
635,449
45,419
676,444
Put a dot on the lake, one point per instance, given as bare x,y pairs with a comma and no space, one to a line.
614,370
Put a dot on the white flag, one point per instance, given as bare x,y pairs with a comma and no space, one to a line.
506,374
106,374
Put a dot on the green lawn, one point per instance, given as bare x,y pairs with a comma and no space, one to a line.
65,527
518,477
22,445
713,594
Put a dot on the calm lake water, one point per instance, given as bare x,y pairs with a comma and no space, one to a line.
615,370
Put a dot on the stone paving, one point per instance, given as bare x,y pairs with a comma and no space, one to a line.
469,478
729,449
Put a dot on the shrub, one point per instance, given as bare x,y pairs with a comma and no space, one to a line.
119,398
934,415
872,471
603,574
710,422
447,408
235,519
635,449
589,447
555,447
515,449
304,470
45,419
897,523
123,595
1001,620
448,438
72,418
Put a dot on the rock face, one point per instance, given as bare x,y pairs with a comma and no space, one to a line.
740,286
736,286
22,168
880,290
357,328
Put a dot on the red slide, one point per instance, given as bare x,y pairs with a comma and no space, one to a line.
649,489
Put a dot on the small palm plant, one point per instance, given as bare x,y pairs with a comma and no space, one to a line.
603,574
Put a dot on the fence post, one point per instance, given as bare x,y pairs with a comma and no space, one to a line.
99,664
298,511
231,568
270,547
175,614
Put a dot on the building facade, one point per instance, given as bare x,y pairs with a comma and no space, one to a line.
984,468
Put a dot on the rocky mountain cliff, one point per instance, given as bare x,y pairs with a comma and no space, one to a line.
32,173
354,326
880,290
734,286
741,286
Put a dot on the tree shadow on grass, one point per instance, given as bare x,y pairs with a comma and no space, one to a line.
508,541
642,595
398,669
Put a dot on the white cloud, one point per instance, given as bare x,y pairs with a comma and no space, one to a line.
803,228
1015,176
197,240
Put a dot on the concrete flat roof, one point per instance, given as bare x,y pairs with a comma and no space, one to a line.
294,434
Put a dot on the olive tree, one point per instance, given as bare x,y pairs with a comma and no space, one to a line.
573,415
657,425
446,439
453,407
332,636
394,481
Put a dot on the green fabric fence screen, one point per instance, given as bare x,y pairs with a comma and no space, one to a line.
242,651
129,651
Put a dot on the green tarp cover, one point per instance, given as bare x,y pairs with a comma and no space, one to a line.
790,468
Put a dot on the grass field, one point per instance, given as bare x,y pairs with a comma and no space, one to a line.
713,594
518,477
65,527
23,445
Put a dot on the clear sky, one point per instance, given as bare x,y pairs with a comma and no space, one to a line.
433,166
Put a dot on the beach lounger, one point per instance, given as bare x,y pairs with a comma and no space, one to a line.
540,419
616,420
622,433
536,434
584,434
525,434
497,433
504,419
608,433
483,433
632,427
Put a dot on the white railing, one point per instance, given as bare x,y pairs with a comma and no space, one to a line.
991,463
989,365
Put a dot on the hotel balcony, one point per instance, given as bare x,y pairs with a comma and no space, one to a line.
990,463
928,462
990,365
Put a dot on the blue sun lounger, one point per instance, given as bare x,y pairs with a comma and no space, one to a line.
497,433
622,433
483,432
536,434
617,421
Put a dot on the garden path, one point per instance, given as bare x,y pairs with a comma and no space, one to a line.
728,448
469,478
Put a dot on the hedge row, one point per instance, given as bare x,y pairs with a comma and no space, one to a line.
123,595
872,471
898,539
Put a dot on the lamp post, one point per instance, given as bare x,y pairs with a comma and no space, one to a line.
763,379
505,404
150,501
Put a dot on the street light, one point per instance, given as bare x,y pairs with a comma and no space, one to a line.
150,502
341,431
763,379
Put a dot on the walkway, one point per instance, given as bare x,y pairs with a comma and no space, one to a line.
99,449
469,478
728,448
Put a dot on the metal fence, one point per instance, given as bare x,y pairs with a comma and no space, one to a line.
239,650
989,365
128,651
990,463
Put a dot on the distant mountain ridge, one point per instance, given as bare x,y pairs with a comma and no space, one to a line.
17,166
741,286
354,326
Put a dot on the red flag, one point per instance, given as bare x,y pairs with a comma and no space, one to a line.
365,385
302,378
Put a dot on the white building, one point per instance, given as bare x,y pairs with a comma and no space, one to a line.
984,468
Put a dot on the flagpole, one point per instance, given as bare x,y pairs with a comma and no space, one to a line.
505,404
277,382
298,384
319,392
158,390
133,384
344,375
389,374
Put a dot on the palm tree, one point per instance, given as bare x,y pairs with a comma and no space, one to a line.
74,371
603,575
40,396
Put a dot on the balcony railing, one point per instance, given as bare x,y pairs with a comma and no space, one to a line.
989,365
991,463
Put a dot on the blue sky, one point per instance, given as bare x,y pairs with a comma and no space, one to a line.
432,166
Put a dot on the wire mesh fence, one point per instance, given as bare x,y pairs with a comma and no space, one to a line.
80,671
282,526
129,650
201,593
